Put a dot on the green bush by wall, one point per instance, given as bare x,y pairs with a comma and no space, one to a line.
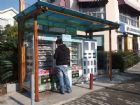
8,62
120,60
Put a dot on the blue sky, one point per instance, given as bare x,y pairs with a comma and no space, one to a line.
14,3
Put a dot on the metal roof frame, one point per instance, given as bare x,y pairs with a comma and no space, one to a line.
52,14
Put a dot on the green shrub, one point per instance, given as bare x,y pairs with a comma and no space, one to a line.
117,60
6,73
124,60
120,60
8,62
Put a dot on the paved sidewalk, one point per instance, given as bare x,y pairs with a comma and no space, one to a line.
120,94
52,98
48,98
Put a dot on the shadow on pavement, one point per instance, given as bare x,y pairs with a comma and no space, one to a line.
121,90
18,102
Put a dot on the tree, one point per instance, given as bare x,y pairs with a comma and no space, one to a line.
11,31
8,54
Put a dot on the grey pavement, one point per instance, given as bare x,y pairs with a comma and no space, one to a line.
121,94
125,90
102,89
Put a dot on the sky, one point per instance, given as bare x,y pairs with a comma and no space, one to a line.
14,3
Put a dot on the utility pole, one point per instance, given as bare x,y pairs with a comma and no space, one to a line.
21,49
21,5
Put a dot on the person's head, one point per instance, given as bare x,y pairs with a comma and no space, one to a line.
59,41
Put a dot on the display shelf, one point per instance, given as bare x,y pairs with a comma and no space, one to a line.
41,60
45,52
74,54
41,54
44,44
74,59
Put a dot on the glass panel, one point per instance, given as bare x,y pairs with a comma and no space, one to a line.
99,40
92,46
84,71
94,55
95,69
91,70
88,63
84,63
87,70
86,47
91,62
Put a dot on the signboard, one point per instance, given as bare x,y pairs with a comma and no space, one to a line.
66,37
133,30
124,28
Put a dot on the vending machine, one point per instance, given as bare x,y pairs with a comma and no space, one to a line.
89,58
83,59
46,50
75,46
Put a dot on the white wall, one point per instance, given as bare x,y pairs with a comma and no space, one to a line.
139,36
73,5
112,11
7,17
134,3
138,39
112,14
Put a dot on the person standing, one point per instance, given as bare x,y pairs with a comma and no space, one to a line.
62,56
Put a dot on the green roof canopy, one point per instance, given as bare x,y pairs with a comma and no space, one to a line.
55,16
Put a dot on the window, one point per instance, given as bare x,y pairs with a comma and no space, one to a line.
100,41
96,11
84,71
119,39
130,20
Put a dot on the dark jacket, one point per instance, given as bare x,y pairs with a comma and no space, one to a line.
62,55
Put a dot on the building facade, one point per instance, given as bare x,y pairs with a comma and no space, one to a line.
6,17
129,12
124,12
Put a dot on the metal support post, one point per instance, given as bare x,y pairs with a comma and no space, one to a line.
110,56
36,59
91,81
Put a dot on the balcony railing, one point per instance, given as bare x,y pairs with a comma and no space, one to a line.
129,20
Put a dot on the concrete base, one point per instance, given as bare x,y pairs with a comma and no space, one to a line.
11,87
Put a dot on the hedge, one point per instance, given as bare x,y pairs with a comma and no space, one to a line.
120,60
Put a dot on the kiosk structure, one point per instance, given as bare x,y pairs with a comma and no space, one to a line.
43,17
